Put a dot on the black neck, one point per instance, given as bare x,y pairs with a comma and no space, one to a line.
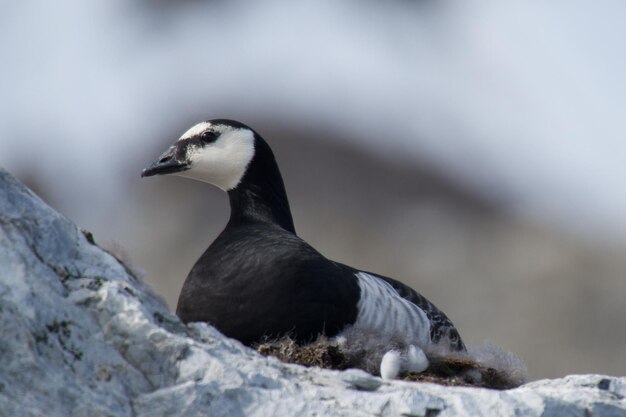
261,195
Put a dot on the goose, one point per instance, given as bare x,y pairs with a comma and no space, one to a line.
259,280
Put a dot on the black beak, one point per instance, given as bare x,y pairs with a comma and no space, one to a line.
167,164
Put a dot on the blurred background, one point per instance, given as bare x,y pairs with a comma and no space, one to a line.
473,150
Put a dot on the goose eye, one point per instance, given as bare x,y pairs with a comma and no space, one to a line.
208,136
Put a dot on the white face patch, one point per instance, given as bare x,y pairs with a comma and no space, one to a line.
195,130
222,163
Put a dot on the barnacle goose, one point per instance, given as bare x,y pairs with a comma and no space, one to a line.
259,280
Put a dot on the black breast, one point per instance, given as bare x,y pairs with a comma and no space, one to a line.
258,281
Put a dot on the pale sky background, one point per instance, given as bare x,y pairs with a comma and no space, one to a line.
524,100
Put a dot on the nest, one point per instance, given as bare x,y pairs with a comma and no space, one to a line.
450,371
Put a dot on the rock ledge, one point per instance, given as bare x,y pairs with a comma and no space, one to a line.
82,336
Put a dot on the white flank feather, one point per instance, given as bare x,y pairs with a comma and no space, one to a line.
415,360
390,365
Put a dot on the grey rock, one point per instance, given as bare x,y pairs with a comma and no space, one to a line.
83,336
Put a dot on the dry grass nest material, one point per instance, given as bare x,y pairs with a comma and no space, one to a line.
443,371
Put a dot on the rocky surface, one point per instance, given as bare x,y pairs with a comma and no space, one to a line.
83,336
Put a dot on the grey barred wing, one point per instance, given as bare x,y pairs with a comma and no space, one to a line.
440,325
